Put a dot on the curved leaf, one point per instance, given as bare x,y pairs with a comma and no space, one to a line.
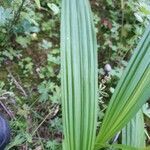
131,93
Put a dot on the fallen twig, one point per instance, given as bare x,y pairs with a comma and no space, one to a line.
18,85
8,111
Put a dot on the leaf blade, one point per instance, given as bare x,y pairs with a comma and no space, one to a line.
79,75
131,93
133,133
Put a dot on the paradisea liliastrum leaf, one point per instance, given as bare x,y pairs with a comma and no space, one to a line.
133,133
131,93
78,75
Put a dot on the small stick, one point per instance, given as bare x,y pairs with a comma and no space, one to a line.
18,85
50,114
8,111
41,123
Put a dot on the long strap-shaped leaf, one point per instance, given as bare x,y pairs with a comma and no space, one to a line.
79,75
133,133
131,93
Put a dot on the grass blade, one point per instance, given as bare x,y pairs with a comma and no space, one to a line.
79,75
131,93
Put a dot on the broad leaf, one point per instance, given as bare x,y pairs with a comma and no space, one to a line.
79,75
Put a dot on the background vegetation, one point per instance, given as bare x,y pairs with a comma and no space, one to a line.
30,63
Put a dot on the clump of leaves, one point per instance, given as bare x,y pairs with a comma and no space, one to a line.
26,65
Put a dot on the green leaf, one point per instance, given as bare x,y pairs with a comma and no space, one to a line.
123,147
46,44
133,134
53,59
44,91
119,147
38,3
145,10
138,17
78,75
23,41
18,140
5,15
146,110
53,7
28,137
131,93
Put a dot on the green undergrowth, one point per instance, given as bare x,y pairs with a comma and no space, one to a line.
30,64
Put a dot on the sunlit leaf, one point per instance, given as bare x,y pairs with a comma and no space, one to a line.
54,8
38,3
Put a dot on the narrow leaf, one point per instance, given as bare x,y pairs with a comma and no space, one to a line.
131,93
79,75
133,134
123,147
120,147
